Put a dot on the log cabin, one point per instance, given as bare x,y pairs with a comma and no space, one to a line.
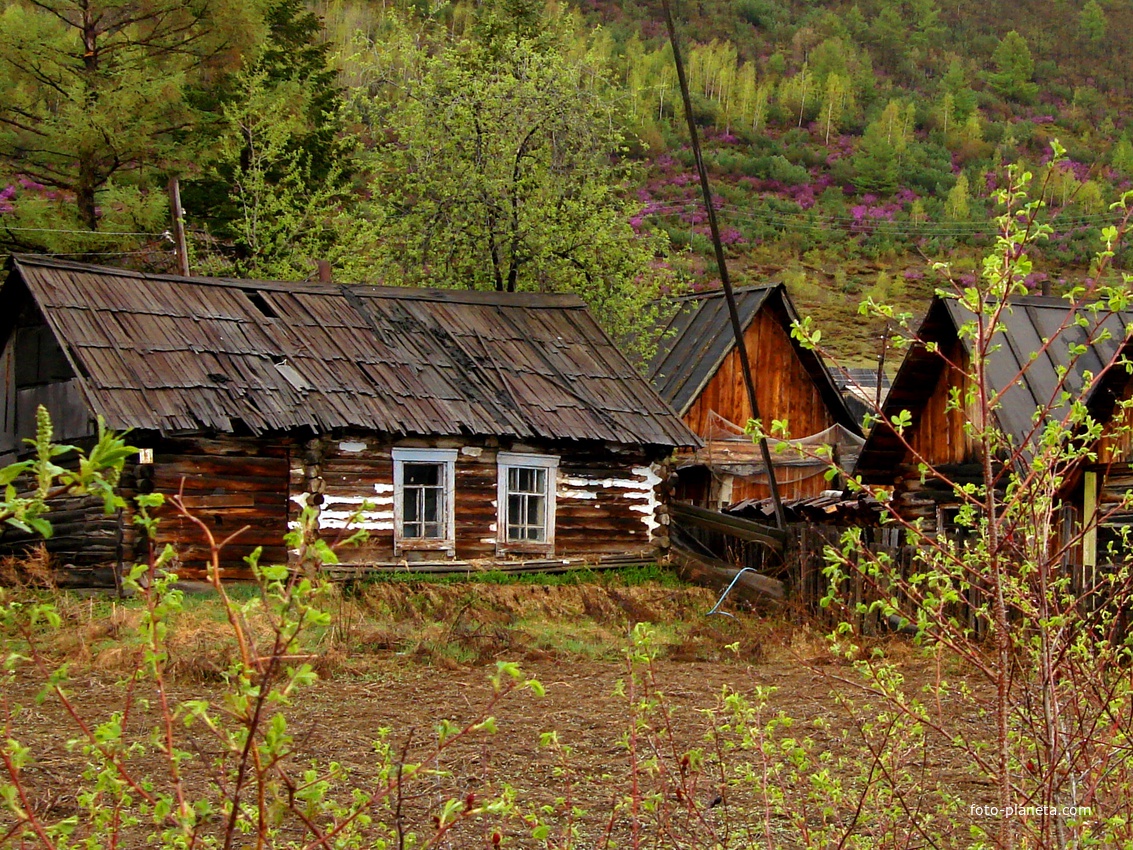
1040,339
697,370
453,426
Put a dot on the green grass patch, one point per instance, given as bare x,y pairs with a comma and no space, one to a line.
635,576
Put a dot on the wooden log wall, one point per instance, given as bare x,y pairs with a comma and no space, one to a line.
85,541
606,499
1116,444
606,503
230,483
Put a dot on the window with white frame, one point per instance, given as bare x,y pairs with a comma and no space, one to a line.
527,501
423,484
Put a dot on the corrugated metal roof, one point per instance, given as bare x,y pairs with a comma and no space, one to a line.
857,378
1039,337
171,354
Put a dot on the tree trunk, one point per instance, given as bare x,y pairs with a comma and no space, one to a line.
84,194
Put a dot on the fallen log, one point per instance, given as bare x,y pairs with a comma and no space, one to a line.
710,572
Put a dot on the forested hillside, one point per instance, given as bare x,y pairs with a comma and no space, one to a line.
513,145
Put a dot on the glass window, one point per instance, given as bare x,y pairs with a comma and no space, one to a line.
526,504
526,500
422,501
423,498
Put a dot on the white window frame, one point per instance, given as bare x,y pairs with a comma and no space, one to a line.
512,460
446,458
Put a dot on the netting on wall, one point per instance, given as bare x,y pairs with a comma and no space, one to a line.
729,450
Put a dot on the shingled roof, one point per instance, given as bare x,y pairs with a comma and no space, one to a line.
1039,337
173,354
695,342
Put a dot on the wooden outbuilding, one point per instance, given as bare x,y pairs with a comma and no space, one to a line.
1041,338
697,369
459,426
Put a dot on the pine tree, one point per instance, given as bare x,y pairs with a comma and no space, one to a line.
955,83
291,75
1016,68
1092,25
875,162
1122,157
93,93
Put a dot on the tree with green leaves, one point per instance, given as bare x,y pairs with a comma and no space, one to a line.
93,102
283,210
957,206
955,83
885,141
279,159
1121,158
1092,24
1016,69
503,171
837,102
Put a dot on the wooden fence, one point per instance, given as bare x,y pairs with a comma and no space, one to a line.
796,557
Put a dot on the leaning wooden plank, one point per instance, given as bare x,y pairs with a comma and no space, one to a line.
709,572
735,526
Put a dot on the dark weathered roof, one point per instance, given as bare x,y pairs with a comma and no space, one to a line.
1039,336
173,354
858,379
696,340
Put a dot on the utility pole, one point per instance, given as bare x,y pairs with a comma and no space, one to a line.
725,280
179,242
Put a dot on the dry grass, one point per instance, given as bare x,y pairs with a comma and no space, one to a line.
31,570
446,625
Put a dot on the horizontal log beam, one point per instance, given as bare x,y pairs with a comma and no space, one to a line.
744,529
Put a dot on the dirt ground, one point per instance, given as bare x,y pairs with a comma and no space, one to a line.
384,687
338,719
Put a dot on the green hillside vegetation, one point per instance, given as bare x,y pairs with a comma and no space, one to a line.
513,145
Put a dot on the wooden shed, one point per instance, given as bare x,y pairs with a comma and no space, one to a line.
697,369
465,426
1041,337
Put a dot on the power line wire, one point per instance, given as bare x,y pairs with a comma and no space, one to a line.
10,229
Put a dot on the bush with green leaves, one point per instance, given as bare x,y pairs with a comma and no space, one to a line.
1046,718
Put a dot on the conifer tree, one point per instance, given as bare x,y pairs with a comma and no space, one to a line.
93,94
1016,68
955,83
1092,24
290,90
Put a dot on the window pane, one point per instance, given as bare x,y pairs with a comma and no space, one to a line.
526,504
411,505
423,501
432,504
428,474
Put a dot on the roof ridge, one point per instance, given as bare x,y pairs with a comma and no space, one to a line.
736,290
537,300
